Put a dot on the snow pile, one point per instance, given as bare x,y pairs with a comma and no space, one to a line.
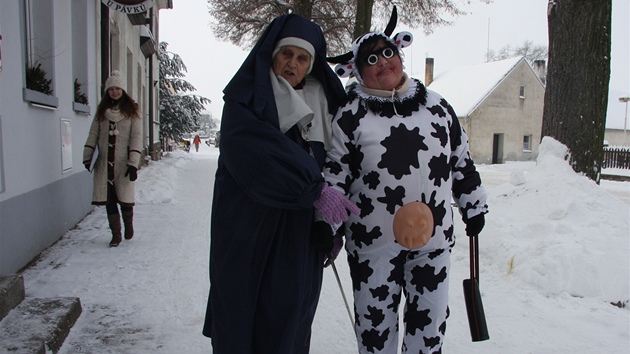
559,231
157,186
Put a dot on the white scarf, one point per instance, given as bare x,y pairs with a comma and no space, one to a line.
308,108
114,115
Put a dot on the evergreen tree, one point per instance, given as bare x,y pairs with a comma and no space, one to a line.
179,110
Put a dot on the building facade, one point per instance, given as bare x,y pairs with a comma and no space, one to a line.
499,104
617,137
55,57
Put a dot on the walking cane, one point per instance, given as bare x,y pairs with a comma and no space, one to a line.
343,294
474,306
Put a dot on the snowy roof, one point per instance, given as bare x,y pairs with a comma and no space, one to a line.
466,87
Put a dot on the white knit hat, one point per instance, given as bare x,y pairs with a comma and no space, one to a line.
296,42
115,80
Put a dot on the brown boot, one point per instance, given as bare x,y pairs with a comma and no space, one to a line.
128,220
114,224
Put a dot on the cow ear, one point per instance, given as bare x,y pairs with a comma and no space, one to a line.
343,70
403,39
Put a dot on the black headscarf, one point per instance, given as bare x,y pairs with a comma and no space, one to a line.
251,84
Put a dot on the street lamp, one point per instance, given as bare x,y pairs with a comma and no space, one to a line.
625,118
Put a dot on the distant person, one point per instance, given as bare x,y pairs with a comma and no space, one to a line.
266,258
217,139
197,141
399,153
116,133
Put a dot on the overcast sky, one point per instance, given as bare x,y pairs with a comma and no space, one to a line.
211,63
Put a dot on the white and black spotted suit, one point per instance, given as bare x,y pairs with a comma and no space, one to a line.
387,152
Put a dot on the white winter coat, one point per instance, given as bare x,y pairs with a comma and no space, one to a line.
127,152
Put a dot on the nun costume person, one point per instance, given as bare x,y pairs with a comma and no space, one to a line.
265,274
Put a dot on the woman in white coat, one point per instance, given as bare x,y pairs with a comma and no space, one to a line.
116,136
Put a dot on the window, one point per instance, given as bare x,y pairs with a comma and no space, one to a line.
39,53
527,141
522,92
80,56
39,39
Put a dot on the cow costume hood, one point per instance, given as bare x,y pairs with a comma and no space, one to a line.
346,63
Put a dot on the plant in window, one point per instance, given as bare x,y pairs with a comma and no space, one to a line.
36,79
79,97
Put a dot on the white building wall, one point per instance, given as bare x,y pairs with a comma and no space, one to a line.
504,112
44,188
32,135
617,137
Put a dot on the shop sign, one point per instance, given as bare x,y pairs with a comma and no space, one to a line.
129,6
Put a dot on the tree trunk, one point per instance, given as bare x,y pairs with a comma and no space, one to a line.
363,20
303,8
576,95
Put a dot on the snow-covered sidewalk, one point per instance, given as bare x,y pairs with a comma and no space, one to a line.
554,254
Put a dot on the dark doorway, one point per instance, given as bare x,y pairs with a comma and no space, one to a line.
497,149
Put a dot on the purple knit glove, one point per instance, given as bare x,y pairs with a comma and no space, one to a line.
334,206
337,246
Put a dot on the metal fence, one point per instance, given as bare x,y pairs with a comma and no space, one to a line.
616,157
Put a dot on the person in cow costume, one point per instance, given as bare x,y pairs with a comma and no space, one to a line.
399,153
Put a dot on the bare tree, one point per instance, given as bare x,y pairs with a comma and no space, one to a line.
578,75
530,51
425,14
242,21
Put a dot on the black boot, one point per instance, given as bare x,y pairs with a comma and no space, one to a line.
127,216
114,224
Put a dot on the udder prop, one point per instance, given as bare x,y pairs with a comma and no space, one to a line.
413,225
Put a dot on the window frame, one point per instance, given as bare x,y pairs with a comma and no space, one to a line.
527,143
38,17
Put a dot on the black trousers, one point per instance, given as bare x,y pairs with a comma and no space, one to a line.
112,202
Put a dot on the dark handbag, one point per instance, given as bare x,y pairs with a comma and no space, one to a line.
474,306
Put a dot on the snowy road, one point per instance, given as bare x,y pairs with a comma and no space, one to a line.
149,294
